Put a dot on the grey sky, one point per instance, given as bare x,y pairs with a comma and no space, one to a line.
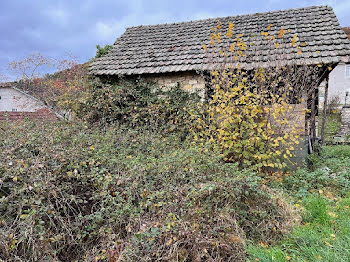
58,28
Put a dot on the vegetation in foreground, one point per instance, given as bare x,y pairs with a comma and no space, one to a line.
70,192
322,197
333,125
129,184
125,186
324,235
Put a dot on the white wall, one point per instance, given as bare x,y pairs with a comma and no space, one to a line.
339,84
13,100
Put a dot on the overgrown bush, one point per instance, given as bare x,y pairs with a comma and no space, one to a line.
256,115
247,122
333,105
69,192
60,90
137,103
333,124
327,174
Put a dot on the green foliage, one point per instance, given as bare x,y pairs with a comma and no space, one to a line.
137,103
325,235
330,153
328,173
325,204
333,123
316,210
248,123
101,51
72,192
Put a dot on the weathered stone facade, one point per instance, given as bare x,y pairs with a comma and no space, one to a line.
345,115
345,120
189,81
344,131
193,82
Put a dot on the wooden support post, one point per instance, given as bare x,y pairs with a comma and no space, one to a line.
313,117
324,111
308,122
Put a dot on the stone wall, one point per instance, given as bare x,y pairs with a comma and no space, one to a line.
192,82
189,81
344,130
345,115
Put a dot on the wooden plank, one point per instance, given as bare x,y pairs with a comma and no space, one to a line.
323,126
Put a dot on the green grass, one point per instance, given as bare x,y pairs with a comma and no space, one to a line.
325,231
325,236
333,123
329,172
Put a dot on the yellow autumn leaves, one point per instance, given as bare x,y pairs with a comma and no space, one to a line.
245,125
216,37
244,121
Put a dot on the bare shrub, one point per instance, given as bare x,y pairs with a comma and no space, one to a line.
333,105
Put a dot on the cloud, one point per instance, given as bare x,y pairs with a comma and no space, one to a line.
56,28
58,15
104,30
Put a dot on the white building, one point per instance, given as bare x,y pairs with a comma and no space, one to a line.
14,100
17,105
339,83
338,87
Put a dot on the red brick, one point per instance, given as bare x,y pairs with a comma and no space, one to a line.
41,114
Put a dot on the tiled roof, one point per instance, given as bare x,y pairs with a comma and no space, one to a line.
179,46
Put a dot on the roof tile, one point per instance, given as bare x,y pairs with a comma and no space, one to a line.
178,46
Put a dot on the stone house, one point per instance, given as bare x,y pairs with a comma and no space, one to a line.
344,131
18,105
172,54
